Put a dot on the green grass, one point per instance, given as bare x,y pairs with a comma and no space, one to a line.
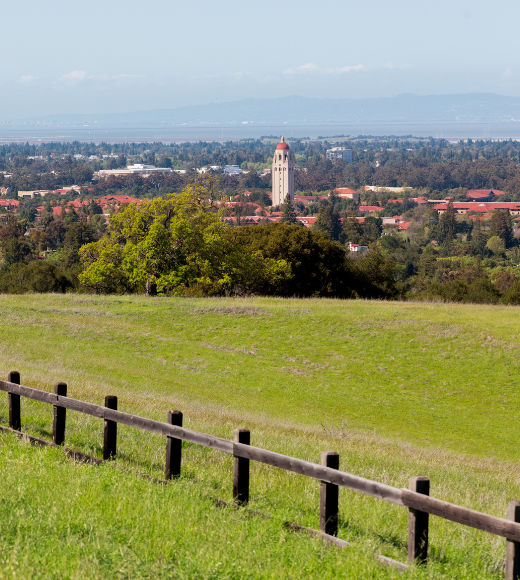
399,389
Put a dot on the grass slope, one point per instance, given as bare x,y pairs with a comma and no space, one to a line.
388,385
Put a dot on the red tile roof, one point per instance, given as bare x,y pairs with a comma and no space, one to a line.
369,208
481,207
476,193
344,190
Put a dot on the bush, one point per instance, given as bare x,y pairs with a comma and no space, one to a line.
512,295
482,291
453,291
38,276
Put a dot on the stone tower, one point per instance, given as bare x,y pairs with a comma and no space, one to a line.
283,173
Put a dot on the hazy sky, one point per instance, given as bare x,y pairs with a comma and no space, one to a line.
116,56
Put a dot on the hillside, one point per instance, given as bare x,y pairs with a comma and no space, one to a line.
405,108
399,389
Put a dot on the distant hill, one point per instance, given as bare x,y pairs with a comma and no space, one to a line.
406,108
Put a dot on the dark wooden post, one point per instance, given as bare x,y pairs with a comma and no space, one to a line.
513,548
15,420
60,414
241,469
173,447
329,497
110,439
418,525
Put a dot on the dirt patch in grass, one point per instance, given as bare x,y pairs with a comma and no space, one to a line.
241,350
232,310
296,371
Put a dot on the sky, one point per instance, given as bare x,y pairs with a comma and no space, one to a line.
119,56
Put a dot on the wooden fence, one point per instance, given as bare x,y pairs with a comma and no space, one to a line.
416,498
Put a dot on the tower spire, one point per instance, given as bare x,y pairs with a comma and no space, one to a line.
283,173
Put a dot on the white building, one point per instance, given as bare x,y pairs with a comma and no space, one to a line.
283,173
357,248
132,169
340,153
141,168
233,169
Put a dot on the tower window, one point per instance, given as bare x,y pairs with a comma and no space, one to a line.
279,157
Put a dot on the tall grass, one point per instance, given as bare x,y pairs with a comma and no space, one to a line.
397,389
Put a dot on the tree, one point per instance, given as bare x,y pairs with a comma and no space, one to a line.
447,226
372,228
352,229
478,237
94,208
15,250
288,212
28,214
502,226
175,245
328,221
496,245
71,216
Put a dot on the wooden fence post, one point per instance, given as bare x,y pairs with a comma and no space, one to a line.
418,525
241,469
513,548
110,435
329,497
15,420
173,447
59,416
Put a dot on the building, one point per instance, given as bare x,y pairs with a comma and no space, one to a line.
283,173
141,168
133,169
357,248
484,194
462,208
346,193
340,153
232,169
382,189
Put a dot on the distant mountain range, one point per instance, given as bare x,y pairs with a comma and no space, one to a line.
406,108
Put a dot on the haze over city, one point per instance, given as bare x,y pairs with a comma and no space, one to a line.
125,56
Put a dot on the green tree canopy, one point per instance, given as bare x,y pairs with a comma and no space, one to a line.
319,266
496,245
176,245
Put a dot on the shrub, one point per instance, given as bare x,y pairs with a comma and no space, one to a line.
482,291
38,276
512,295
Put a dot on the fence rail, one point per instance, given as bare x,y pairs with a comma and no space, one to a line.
416,499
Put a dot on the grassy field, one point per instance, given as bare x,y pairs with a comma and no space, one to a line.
398,389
